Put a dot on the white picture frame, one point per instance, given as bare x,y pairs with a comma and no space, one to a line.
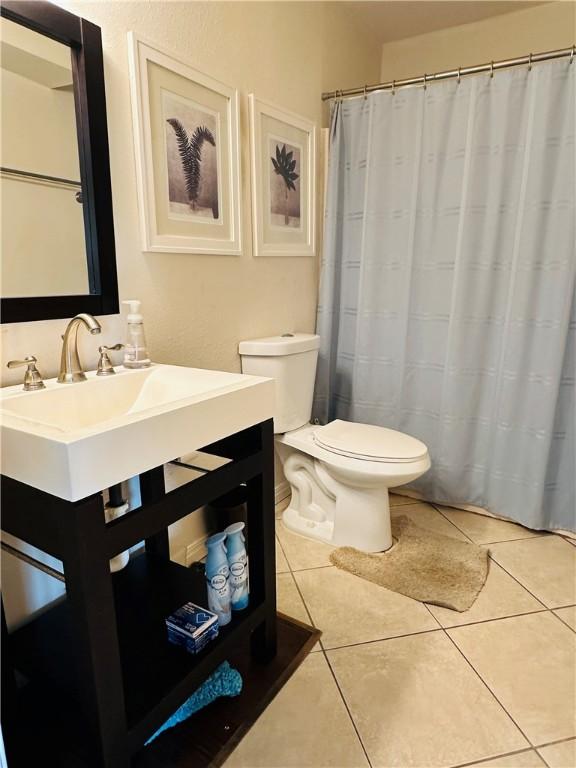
283,145
184,209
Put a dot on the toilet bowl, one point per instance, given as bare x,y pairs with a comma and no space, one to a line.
340,473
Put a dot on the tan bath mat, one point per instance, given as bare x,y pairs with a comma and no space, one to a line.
422,564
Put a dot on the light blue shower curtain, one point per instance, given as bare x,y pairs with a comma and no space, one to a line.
447,291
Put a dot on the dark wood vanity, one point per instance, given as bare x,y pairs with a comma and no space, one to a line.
97,666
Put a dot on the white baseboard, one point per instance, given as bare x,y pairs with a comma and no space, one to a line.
197,549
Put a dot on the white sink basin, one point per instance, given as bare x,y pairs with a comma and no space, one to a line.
72,440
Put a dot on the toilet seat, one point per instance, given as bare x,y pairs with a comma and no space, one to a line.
368,442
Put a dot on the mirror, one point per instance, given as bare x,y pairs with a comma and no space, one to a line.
57,236
42,240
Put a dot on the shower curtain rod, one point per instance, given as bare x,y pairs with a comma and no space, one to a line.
531,58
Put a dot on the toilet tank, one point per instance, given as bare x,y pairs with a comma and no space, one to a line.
290,360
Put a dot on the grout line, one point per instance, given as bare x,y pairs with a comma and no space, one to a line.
517,581
545,609
452,523
539,535
323,652
304,603
496,757
549,744
562,620
493,559
544,606
543,759
431,614
291,572
347,707
552,743
479,676
313,568
542,535
385,639
281,547
412,502
496,618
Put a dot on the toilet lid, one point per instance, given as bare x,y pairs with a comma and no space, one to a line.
366,441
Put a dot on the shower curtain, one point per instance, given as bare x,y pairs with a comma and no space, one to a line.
447,304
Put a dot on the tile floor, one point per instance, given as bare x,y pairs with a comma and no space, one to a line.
395,683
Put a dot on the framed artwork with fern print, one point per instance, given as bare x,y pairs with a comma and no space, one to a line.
283,188
187,155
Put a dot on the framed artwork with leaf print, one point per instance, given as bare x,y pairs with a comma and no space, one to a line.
187,155
283,176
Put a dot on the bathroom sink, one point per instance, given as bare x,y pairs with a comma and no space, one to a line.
72,440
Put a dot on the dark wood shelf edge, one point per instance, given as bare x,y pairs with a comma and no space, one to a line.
36,636
280,682
203,741
144,522
215,655
221,731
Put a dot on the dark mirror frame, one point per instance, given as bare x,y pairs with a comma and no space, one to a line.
85,41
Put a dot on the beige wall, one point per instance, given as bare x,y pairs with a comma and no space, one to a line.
542,28
197,308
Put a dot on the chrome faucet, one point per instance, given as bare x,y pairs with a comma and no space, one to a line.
70,366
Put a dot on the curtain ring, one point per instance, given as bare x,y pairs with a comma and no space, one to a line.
572,52
530,63
365,94
459,75
425,76
491,69
394,81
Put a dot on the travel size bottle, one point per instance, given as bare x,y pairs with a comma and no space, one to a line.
238,565
135,350
218,578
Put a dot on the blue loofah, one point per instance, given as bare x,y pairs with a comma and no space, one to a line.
224,681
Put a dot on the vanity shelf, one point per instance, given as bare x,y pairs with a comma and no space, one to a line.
103,650
157,676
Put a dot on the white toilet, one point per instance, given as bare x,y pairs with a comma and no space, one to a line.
339,473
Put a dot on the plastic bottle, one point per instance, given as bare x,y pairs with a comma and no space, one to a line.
217,577
238,564
135,350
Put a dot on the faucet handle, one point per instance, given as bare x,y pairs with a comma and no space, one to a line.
105,367
32,377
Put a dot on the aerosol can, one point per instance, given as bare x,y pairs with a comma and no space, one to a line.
218,578
238,565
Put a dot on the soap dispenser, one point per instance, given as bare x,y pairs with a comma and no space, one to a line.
135,350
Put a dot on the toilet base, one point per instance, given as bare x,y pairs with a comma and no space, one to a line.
373,535
311,529
328,510
337,499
